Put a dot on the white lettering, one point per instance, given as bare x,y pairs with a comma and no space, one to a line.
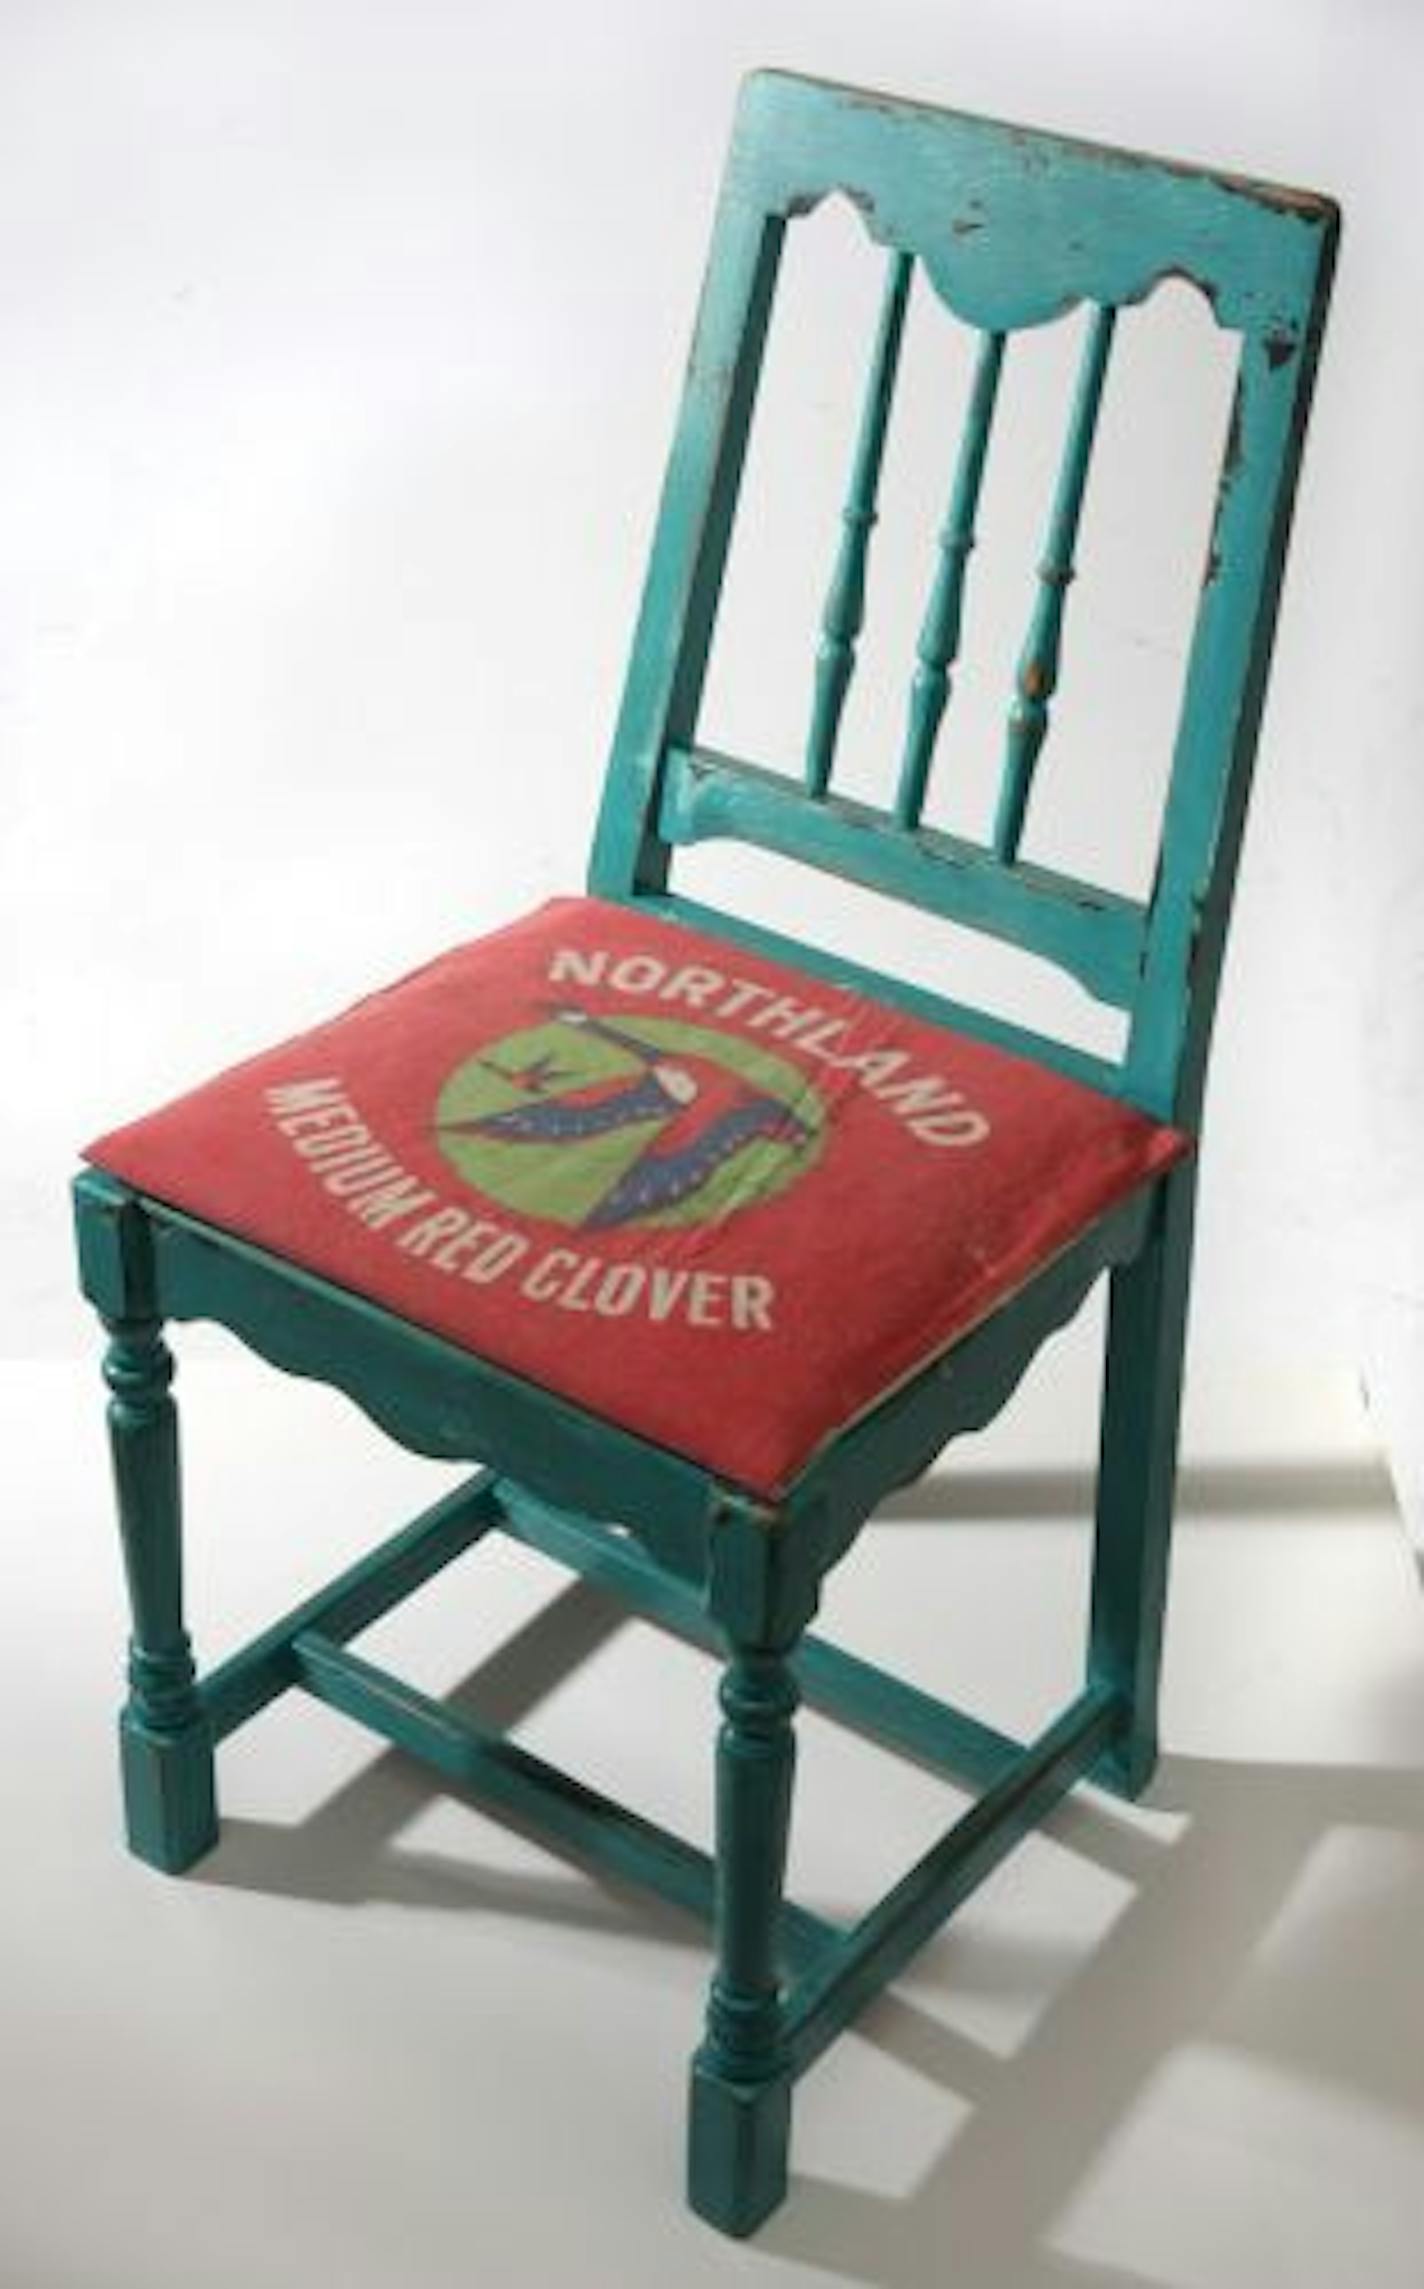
922,1095
638,973
359,1172
784,1017
618,1290
541,1283
569,966
355,1169
962,1127
355,1133
708,1298
665,1288
423,1237
450,1255
818,1041
384,1203
752,1299
694,986
930,1109
875,1065
741,993
320,1117
299,1096
575,1296
493,1262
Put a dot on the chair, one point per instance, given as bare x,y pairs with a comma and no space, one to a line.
589,1201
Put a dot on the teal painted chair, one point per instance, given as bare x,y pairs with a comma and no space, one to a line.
588,1201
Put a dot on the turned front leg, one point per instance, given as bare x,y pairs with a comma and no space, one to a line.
741,2077
166,1744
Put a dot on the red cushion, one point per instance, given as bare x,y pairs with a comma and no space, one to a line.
704,1195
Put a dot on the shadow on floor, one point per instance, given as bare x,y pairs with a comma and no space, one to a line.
1284,1487
1025,2132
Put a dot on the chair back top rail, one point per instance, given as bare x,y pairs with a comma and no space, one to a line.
1011,228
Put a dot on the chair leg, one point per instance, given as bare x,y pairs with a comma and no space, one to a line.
1137,1479
740,2120
165,1741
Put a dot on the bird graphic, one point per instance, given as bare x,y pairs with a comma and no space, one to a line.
694,1140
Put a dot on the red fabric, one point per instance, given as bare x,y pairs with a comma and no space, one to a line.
702,1194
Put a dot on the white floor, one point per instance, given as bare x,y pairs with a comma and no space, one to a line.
378,2042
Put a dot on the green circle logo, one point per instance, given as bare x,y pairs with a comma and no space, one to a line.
600,1122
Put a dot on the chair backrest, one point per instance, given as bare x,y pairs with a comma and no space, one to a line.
1013,229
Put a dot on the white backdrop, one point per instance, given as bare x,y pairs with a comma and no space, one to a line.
341,351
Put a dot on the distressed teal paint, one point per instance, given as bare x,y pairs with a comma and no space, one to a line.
1014,226
844,611
883,1707
1011,228
900,993
938,645
574,1817
425,1393
165,1743
247,1680
1214,753
1137,1469
674,632
740,2103
1096,935
1037,677
835,1988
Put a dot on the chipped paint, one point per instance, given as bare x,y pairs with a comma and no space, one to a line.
965,197
1206,287
1231,459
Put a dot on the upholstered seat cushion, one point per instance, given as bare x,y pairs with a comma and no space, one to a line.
707,1196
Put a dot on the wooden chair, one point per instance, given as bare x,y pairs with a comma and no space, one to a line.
588,1202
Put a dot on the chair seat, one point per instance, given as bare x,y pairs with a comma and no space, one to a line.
711,1198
